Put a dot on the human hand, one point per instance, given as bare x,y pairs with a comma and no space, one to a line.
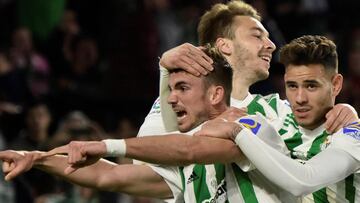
80,153
17,162
233,113
219,128
189,58
339,116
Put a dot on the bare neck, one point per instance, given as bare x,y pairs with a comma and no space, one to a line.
240,87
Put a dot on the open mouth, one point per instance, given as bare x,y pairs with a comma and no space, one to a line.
266,58
180,114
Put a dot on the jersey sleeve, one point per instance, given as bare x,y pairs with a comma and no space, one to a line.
168,115
153,123
329,166
263,129
172,177
348,139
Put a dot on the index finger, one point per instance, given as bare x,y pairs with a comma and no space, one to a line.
7,155
202,53
58,150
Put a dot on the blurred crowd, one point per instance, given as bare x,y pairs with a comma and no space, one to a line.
88,70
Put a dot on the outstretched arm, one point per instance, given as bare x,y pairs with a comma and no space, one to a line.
182,150
172,149
131,179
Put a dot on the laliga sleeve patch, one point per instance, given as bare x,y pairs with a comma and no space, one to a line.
155,109
353,130
250,124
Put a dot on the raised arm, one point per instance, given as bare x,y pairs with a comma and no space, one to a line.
131,179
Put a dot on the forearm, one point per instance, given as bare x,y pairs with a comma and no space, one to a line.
182,150
105,175
328,167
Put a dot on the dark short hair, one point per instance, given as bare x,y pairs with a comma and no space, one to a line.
310,49
222,73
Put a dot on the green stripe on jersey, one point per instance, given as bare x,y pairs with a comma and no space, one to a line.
200,187
320,196
350,189
293,141
220,172
245,185
271,99
316,145
181,169
254,106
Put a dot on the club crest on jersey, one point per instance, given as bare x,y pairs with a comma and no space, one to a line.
250,124
155,109
353,130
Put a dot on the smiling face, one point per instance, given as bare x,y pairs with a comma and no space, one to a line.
252,48
189,100
311,92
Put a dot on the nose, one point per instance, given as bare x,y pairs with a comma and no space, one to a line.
269,45
301,97
172,98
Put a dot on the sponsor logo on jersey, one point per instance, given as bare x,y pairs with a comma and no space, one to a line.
326,143
250,124
155,109
220,195
192,178
353,130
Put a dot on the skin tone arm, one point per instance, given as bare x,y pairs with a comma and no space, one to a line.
104,175
168,150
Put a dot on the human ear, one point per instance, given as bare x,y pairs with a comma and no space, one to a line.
337,83
224,45
216,94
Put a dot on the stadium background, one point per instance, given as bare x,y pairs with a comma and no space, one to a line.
94,65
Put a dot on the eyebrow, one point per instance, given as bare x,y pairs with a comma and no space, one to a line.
311,81
177,84
306,81
260,30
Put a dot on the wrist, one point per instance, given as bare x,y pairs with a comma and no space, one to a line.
37,157
115,147
236,131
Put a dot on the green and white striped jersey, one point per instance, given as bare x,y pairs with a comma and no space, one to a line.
206,183
303,145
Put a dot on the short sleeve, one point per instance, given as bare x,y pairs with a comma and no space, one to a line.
172,177
153,123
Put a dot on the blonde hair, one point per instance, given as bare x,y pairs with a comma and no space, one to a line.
218,21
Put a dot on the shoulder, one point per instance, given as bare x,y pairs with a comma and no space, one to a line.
155,108
352,130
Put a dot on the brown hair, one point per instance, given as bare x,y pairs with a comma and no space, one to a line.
221,75
218,21
310,49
